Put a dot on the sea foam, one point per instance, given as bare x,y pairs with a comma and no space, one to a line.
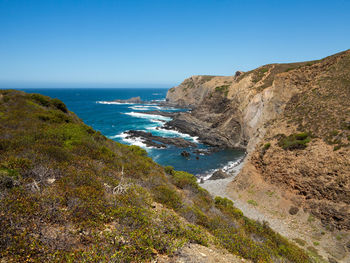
114,103
145,107
164,132
133,141
232,167
148,116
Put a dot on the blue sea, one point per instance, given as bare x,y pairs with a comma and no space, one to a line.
94,107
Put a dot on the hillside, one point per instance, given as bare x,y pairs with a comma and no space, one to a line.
69,194
294,121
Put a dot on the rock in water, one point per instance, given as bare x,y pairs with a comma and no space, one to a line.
131,100
185,154
135,99
219,174
158,141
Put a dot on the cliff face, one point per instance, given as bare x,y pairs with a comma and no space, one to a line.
294,120
235,108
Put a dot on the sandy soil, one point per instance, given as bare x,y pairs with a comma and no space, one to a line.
194,253
273,206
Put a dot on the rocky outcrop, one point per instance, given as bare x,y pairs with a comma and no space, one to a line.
192,91
190,124
228,111
131,100
219,174
259,109
185,154
158,141
161,113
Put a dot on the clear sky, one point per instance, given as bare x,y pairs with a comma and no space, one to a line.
165,41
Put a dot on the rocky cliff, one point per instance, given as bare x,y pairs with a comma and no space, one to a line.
234,108
294,121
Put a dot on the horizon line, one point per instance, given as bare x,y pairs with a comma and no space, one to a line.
30,85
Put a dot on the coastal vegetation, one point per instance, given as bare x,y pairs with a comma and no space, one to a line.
69,194
222,89
295,141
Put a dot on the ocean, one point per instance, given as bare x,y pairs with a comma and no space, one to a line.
94,107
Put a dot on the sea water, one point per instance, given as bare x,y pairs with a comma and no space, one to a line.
95,107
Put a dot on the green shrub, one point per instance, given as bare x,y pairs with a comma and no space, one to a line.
5,172
252,202
295,141
59,105
301,136
267,146
138,150
227,207
223,202
167,196
184,179
41,99
6,181
222,89
300,242
55,152
19,163
169,170
289,69
54,117
202,198
336,148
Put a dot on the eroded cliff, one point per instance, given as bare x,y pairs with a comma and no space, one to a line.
294,121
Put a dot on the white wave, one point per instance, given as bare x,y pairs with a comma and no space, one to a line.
156,93
231,167
114,103
195,139
139,108
166,131
147,116
133,141
122,135
169,108
174,132
145,107
158,121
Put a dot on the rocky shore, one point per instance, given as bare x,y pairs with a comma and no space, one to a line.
162,113
184,122
158,141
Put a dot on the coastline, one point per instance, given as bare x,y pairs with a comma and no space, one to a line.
160,135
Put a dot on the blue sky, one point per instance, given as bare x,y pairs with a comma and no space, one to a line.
161,42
